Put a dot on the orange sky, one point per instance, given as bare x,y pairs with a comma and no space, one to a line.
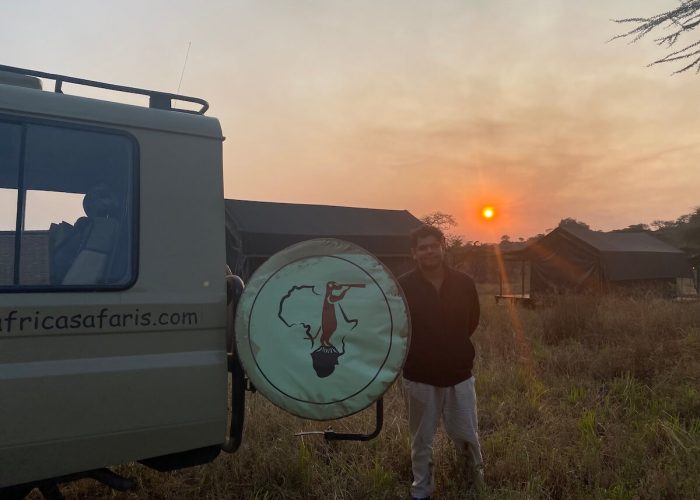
406,104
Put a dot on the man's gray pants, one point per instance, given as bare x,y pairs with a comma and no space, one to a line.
456,405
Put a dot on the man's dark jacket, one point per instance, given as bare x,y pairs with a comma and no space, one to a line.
441,352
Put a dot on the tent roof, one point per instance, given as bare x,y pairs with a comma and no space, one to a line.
320,220
620,242
622,256
267,227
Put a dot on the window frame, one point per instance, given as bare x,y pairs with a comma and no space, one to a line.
21,197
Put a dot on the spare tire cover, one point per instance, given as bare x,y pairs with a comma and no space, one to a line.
322,329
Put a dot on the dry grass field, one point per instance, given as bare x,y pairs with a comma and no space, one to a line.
586,398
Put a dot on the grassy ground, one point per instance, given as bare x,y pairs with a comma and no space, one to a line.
586,398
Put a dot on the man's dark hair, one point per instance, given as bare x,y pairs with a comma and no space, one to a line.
425,231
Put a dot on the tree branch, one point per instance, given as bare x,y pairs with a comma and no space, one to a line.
684,19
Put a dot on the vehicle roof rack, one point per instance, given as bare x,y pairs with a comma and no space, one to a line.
157,100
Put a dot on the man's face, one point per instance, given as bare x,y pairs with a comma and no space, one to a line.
428,253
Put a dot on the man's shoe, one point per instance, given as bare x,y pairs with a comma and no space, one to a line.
478,479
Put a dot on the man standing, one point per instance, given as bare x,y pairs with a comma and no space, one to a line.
444,309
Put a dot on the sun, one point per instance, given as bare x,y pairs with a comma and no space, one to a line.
488,212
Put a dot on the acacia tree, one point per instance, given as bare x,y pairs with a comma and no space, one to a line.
634,228
679,22
441,220
444,222
570,221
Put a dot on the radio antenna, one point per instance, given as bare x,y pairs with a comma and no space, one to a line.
184,65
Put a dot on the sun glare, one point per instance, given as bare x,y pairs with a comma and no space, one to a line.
488,213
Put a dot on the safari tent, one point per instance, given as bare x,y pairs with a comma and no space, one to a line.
577,259
256,230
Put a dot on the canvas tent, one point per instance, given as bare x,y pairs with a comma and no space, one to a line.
256,230
575,258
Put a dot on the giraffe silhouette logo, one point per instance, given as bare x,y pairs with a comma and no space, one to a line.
325,357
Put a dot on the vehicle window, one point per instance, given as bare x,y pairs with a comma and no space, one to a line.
76,209
10,147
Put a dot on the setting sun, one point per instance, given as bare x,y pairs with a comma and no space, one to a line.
488,213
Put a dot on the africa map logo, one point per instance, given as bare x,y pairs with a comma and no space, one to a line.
324,358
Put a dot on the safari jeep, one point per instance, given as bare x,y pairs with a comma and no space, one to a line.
115,308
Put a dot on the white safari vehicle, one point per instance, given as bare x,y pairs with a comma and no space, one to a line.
115,308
